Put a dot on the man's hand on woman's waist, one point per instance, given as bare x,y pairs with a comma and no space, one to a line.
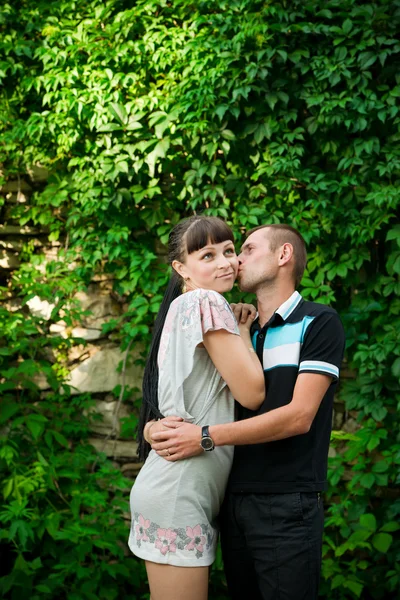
175,439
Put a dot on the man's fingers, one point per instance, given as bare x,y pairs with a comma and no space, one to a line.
173,424
172,457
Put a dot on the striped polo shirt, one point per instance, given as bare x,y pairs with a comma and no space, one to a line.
300,337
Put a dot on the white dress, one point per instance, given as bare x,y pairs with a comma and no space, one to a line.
174,505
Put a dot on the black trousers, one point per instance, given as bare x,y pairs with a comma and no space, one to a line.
272,545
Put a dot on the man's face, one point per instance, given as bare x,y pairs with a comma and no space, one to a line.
258,265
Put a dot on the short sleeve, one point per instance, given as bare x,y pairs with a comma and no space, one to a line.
323,346
189,318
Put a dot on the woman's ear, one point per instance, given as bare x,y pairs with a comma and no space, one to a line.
179,268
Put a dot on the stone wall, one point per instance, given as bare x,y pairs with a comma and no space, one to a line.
93,366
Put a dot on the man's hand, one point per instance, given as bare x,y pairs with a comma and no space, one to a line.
177,440
244,313
156,426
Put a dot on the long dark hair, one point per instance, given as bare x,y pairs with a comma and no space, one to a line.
188,236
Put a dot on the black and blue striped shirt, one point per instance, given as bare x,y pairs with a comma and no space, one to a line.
300,337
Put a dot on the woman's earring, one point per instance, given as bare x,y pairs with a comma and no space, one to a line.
184,288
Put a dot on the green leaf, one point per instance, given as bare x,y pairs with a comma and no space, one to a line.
380,467
382,542
367,59
43,588
393,234
118,111
228,134
396,368
354,586
8,410
35,427
62,440
347,26
367,480
221,110
368,521
379,413
391,526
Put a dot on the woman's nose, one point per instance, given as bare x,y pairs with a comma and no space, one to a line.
223,263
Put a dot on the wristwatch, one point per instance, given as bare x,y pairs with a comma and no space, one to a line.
206,440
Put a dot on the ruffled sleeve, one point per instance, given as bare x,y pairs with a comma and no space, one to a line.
190,317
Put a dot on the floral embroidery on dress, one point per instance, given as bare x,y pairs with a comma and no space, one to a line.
166,540
197,539
141,528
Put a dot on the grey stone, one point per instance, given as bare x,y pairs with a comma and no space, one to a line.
18,230
89,333
59,328
15,186
16,198
332,452
337,419
101,305
40,308
38,174
40,380
99,373
116,449
12,244
350,426
81,352
107,410
131,470
9,260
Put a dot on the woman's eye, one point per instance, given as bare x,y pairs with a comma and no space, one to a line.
208,255
230,251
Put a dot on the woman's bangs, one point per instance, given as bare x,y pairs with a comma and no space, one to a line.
207,231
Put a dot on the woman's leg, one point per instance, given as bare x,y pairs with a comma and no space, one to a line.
177,583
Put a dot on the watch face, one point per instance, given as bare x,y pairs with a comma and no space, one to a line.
207,443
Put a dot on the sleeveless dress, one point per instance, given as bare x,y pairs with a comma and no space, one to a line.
174,505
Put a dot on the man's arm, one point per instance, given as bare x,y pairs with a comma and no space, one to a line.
182,440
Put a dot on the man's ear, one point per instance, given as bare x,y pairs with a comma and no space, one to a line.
285,253
179,268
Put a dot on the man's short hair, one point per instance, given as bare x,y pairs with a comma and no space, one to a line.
281,234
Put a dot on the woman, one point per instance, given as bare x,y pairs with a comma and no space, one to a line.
200,359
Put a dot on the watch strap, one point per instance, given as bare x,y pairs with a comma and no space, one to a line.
205,431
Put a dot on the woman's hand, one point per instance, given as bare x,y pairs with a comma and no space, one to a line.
245,314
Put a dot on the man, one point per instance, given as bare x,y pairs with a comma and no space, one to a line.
272,517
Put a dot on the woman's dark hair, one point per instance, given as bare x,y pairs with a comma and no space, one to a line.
188,236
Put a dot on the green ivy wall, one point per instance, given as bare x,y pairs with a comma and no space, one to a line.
146,112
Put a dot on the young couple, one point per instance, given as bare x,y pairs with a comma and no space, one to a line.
282,369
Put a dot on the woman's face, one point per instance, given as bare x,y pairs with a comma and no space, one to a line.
213,267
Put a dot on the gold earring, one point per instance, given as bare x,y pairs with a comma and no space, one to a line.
184,288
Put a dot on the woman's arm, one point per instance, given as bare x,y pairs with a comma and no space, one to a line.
238,364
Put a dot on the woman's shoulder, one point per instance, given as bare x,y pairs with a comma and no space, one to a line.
198,295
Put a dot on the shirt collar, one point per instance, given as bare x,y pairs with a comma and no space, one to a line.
287,307
284,312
